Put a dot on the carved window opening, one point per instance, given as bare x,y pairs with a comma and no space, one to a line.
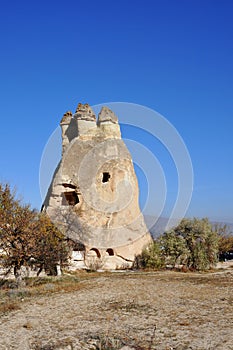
70,198
106,177
96,251
110,251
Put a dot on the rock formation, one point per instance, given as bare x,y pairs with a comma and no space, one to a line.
93,197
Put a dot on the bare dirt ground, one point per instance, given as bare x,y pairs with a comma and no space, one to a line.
139,310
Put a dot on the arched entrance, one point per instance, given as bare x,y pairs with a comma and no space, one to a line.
94,252
110,251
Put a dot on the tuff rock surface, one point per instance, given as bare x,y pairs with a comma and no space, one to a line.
93,197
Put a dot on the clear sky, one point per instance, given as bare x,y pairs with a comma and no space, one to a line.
175,57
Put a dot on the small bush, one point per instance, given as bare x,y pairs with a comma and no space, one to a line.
94,264
151,257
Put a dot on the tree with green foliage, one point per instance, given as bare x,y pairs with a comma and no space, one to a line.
173,248
151,257
199,242
193,243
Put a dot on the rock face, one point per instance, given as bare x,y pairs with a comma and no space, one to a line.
93,197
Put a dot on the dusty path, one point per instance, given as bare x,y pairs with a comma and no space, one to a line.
160,310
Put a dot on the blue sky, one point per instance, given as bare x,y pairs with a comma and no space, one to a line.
175,57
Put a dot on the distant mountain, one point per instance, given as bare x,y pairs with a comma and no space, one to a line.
228,224
158,227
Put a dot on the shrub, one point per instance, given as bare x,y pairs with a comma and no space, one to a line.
151,257
193,244
174,248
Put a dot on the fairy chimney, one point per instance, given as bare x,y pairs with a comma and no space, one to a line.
93,196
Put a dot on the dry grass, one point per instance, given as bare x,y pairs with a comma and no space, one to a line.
11,297
104,311
9,306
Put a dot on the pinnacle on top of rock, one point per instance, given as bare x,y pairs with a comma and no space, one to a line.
67,117
85,112
106,115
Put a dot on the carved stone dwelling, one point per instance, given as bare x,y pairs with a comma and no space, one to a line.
93,196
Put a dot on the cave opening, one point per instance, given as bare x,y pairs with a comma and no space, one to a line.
71,198
110,251
106,177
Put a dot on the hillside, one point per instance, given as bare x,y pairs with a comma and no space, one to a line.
159,227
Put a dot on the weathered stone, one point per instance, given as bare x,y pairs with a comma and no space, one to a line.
93,196
106,115
66,118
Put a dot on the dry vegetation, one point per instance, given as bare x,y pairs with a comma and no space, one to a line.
106,311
